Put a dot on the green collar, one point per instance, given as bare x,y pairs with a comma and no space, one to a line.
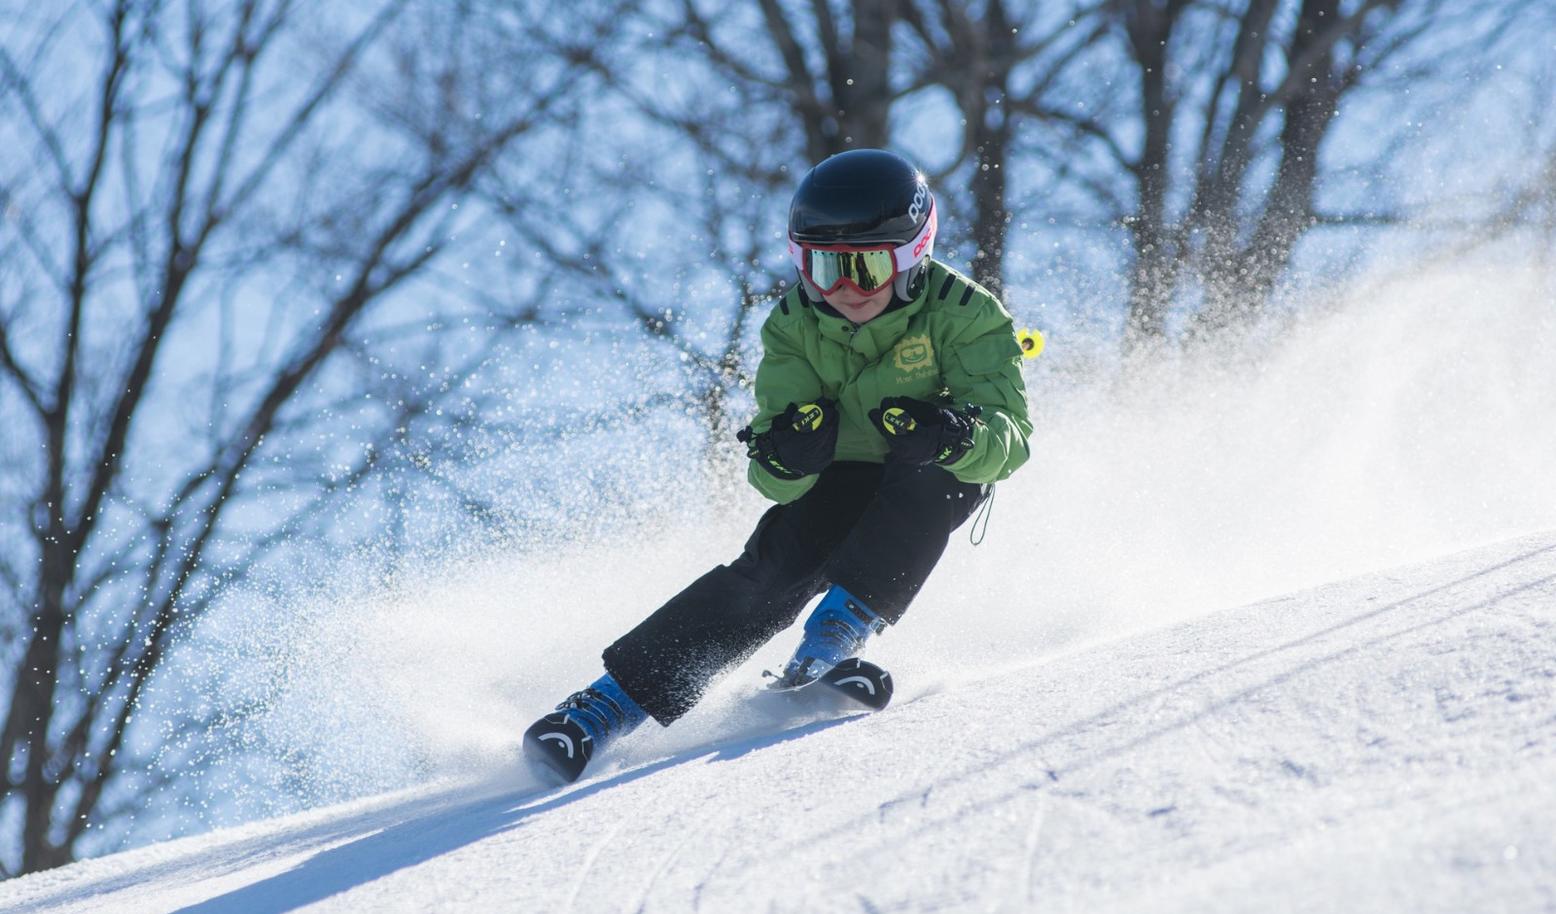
876,337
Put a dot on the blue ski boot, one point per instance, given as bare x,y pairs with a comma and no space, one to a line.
836,630
585,723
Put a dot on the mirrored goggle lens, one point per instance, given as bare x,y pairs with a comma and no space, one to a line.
869,270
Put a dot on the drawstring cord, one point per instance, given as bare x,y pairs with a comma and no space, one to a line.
985,509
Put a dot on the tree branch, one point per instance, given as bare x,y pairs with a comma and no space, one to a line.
24,382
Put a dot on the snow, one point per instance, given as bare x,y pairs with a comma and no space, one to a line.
1382,743
1081,723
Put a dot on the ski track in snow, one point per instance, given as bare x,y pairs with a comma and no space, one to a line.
1386,743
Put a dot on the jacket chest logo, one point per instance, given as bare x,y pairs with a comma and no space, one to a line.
914,356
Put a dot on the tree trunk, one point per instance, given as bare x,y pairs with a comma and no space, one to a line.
862,83
1153,281
990,135
1288,210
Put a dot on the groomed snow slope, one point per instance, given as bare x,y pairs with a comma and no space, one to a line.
1386,743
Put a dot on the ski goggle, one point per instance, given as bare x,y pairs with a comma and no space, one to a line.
865,267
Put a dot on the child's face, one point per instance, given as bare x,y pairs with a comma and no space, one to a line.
857,306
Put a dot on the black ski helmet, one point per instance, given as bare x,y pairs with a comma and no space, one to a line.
866,196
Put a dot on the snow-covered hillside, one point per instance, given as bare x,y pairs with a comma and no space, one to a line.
1386,743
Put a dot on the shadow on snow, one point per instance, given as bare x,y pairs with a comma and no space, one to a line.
428,835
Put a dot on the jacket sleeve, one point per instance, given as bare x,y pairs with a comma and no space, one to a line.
784,376
984,368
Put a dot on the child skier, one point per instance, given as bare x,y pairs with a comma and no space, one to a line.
889,400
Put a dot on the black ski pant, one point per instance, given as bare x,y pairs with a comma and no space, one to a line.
876,529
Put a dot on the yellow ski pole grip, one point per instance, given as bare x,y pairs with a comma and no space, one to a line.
1031,342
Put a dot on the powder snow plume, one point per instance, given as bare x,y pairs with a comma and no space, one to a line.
1412,418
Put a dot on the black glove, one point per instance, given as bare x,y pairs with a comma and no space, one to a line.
920,433
802,440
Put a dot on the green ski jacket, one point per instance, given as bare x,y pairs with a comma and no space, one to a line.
954,344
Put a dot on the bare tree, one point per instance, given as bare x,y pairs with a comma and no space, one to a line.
815,79
198,247
689,189
794,84
1001,62
823,84
1219,138
1198,127
836,67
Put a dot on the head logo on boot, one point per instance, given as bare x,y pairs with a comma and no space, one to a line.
562,738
